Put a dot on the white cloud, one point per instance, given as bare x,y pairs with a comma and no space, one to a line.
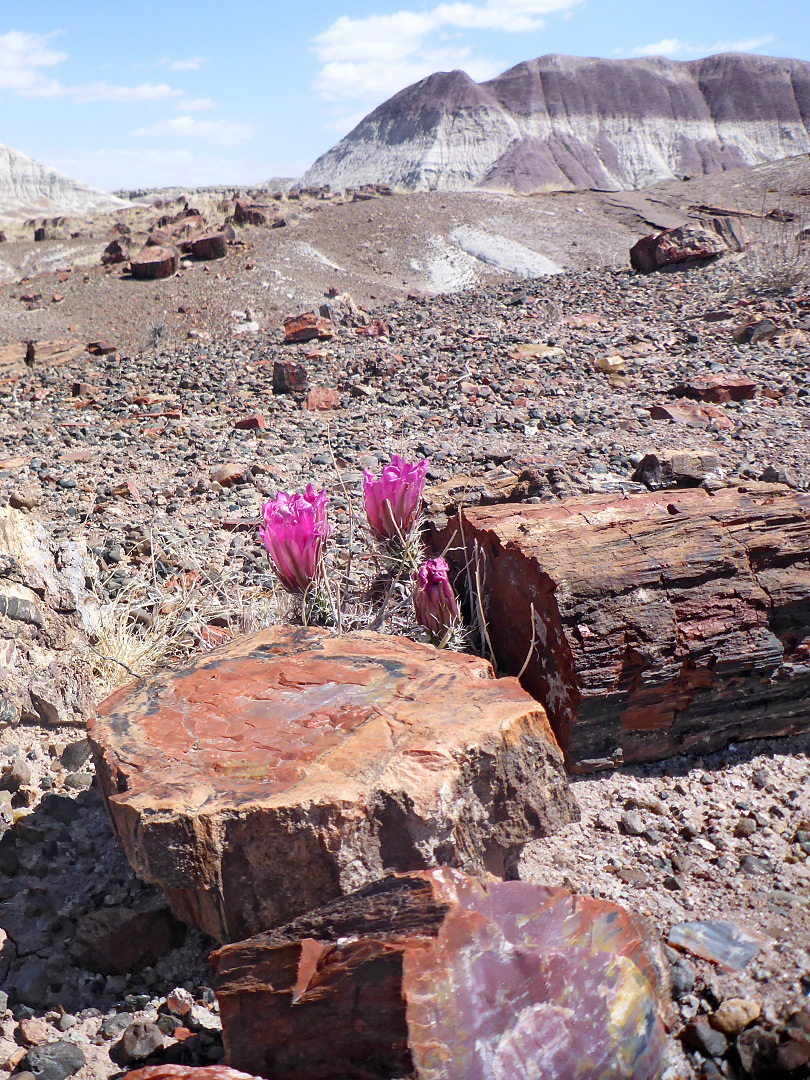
194,63
196,104
676,47
368,59
221,132
23,56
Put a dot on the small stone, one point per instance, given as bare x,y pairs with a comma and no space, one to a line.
75,754
66,1021
32,1031
289,377
750,864
683,977
23,499
255,422
631,823
15,775
55,1061
734,1015
114,1025
322,398
139,1042
79,781
746,826
701,1036
229,475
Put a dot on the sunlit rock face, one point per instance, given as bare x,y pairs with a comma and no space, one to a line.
566,122
28,188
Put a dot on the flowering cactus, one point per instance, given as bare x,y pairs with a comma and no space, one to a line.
294,531
434,601
393,502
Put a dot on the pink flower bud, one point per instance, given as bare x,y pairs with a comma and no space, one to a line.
393,502
434,601
294,530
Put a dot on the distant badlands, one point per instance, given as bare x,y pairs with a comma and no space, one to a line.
564,122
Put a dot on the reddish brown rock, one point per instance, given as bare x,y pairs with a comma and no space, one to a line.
719,389
254,422
115,940
247,213
289,377
308,326
437,975
688,412
293,765
154,263
102,348
230,474
212,245
685,244
657,624
322,398
117,251
188,1072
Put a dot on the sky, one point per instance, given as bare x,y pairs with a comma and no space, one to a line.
167,92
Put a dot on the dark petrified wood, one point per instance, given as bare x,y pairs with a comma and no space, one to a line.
657,624
436,975
293,765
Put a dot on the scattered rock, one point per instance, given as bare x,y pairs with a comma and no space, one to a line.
676,468
734,1015
289,377
154,263
686,244
55,1061
307,327
323,398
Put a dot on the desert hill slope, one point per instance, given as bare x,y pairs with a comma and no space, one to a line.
28,188
566,122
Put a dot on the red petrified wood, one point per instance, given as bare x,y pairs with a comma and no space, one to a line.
438,977
154,263
686,244
293,765
308,326
657,624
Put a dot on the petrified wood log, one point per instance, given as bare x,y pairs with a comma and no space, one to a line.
438,977
211,245
291,766
154,263
657,624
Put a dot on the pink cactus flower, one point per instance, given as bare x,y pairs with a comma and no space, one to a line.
393,502
434,601
294,531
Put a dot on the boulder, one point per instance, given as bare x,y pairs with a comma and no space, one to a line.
654,624
210,245
676,468
45,668
154,263
308,326
293,765
686,244
437,976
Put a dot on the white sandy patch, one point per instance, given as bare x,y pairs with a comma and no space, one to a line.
506,255
309,252
449,268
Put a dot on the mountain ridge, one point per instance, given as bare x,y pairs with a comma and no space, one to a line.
562,123
28,188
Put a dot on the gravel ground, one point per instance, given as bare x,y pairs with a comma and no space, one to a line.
488,382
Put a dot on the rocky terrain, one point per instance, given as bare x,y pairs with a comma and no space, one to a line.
151,451
567,122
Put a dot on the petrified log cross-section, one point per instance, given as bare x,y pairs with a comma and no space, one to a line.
293,765
434,975
657,624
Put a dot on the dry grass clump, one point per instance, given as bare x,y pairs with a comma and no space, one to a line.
153,622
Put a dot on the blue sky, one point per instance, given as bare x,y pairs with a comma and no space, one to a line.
177,92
